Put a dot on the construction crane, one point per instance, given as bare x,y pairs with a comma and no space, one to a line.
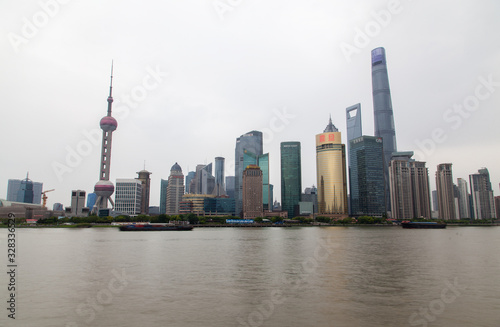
44,197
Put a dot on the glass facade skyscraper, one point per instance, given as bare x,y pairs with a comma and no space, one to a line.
291,177
24,190
219,189
382,110
163,195
366,176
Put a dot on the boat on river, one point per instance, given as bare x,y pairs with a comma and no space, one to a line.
154,227
423,225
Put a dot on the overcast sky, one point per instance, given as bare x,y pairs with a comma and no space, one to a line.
190,76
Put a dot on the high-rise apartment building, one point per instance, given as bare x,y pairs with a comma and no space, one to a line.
291,177
219,188
331,172
409,187
252,192
421,190
481,192
366,176
128,196
463,199
143,177
251,141
175,190
382,110
445,192
163,195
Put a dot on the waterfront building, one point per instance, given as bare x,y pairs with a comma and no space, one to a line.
251,141
91,198
143,177
25,191
366,177
58,207
77,208
434,196
482,195
219,206
445,192
230,192
291,177
497,206
194,203
382,111
310,195
189,177
252,182
420,190
331,172
104,188
219,188
409,187
163,195
128,196
204,181
175,190
262,161
463,199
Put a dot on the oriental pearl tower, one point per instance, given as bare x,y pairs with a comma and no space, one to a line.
104,188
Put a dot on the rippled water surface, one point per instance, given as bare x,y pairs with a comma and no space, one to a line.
329,276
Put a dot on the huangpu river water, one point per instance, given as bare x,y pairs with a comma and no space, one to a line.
311,276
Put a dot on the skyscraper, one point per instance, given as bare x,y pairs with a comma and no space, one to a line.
128,196
252,192
219,188
291,177
143,177
262,161
91,198
409,187
482,195
353,122
175,190
204,181
420,190
251,141
230,186
366,176
163,195
463,199
189,177
445,193
331,172
382,110
24,190
104,188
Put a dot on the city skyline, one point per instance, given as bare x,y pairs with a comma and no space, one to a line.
230,78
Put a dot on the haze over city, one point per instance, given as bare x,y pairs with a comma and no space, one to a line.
192,76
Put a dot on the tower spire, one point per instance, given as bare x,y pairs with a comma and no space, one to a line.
110,97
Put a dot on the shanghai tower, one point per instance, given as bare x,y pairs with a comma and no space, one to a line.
382,111
104,188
